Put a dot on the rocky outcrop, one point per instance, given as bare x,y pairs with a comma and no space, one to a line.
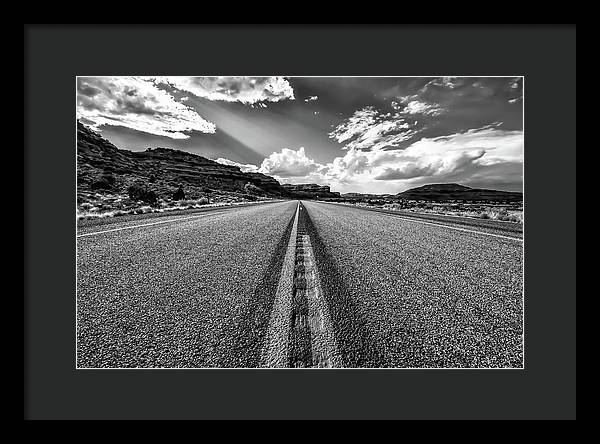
164,169
310,191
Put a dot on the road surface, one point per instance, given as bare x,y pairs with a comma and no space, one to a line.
289,284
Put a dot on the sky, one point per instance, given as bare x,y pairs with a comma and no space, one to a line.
380,135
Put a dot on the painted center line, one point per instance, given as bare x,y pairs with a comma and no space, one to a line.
275,351
300,332
456,228
149,224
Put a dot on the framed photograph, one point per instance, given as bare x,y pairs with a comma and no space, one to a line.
267,231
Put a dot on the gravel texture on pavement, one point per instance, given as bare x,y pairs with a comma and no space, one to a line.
405,294
198,289
511,229
186,293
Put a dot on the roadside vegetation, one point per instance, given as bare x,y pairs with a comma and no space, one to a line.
139,198
506,212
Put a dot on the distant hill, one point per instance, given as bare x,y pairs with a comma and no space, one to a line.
453,191
359,196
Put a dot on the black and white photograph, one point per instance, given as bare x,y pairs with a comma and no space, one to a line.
299,222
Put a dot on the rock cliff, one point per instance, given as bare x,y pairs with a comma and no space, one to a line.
163,169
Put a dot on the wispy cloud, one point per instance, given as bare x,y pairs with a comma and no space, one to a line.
412,105
369,129
247,90
146,104
138,104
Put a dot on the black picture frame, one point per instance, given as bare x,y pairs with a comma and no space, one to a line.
544,55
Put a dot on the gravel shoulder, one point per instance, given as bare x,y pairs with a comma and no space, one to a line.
106,223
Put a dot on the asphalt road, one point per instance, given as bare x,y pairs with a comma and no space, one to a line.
485,225
198,289
408,293
178,291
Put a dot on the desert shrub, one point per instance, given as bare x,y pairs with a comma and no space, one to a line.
517,217
142,210
151,197
502,214
511,217
179,194
138,192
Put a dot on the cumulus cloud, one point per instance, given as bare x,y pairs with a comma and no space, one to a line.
136,103
288,163
409,170
438,165
390,150
247,90
476,157
457,157
245,168
401,147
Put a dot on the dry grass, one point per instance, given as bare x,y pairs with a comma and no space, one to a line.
97,205
485,212
503,215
